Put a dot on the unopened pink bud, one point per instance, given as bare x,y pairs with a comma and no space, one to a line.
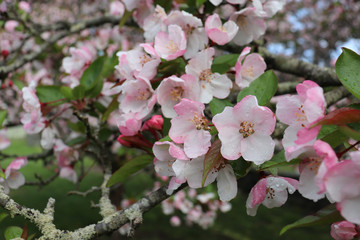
156,123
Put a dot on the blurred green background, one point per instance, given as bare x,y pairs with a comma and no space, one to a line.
74,211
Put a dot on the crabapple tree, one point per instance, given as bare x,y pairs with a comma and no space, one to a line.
190,92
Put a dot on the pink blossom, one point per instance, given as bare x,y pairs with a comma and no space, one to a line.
166,154
211,84
13,178
316,161
154,23
110,89
298,112
271,192
25,6
79,60
4,141
117,8
47,138
172,89
341,183
66,157
155,122
244,130
11,25
343,230
191,128
268,8
251,27
248,68
219,33
172,44
196,38
137,96
129,123
175,221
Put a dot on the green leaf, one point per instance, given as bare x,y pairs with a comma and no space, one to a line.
78,92
166,4
112,107
325,216
224,62
335,138
326,130
2,117
176,66
164,139
77,126
76,140
3,216
2,174
199,3
348,70
212,159
218,105
96,90
278,160
241,167
264,88
67,92
129,168
48,94
125,17
104,134
166,126
350,133
12,232
92,74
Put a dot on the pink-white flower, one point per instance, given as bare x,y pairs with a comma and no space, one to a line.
154,23
25,6
140,62
211,84
271,192
343,230
32,120
79,60
47,138
172,89
219,33
13,178
175,221
341,183
248,67
137,96
191,128
66,157
268,8
166,154
251,27
11,25
4,141
299,111
245,129
172,44
196,38
117,8
313,167
129,124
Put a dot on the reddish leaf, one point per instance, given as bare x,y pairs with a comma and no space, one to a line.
212,158
25,233
339,117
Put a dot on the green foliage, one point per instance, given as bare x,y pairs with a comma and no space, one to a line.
3,216
75,141
112,107
2,117
264,88
278,160
218,105
48,94
93,77
166,126
223,63
67,92
78,92
335,138
326,130
12,232
325,216
241,167
350,133
129,168
348,70
172,67
166,4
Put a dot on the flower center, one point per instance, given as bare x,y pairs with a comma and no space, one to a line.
270,193
222,28
176,93
241,21
300,115
246,129
201,122
313,163
205,75
250,71
144,59
188,29
171,46
143,94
